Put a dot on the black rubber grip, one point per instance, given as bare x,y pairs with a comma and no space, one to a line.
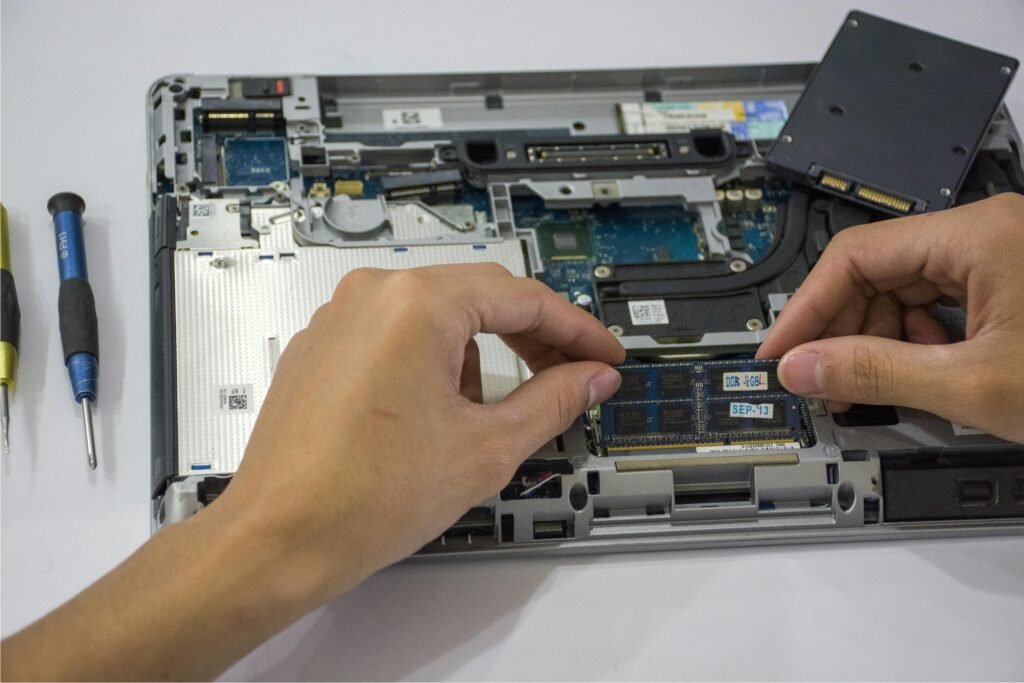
77,310
10,313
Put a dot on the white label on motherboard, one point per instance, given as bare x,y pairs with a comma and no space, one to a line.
412,119
233,399
651,312
745,381
758,411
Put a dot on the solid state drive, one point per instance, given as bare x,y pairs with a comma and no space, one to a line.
892,117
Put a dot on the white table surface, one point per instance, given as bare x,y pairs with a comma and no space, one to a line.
74,75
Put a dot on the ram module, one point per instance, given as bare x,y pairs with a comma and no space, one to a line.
701,404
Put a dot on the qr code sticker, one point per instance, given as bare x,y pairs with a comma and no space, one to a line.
202,210
652,312
234,399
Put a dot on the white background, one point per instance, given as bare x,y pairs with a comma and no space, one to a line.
74,75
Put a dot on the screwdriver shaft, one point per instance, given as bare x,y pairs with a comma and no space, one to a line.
5,419
90,441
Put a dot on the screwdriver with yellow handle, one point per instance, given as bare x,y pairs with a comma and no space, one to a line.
10,327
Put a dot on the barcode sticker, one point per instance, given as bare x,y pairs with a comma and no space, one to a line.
411,119
651,312
759,411
234,399
745,381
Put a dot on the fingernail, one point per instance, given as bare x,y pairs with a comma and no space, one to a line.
602,385
799,371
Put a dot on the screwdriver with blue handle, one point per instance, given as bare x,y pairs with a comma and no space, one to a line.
76,308
10,326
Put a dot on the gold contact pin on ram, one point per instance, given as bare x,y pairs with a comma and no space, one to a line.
883,199
834,182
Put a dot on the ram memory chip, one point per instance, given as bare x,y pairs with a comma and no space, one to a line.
703,403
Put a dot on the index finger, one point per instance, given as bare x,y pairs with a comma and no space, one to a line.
866,260
500,304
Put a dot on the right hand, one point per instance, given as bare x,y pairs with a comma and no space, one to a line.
839,335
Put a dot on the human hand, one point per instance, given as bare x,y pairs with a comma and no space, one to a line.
839,335
372,440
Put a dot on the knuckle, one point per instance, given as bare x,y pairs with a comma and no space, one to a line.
492,268
1003,217
408,282
296,346
355,279
564,405
320,315
546,294
544,302
844,241
869,375
1012,203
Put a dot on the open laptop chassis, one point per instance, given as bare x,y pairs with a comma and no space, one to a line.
265,191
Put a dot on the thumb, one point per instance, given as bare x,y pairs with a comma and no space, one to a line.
548,403
866,369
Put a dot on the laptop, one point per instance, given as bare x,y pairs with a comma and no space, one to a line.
677,205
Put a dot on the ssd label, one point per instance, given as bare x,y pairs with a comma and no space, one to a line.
761,411
745,381
965,430
651,312
412,119
746,119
